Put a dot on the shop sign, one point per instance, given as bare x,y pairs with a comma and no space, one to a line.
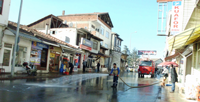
52,55
147,52
85,47
86,42
176,17
38,45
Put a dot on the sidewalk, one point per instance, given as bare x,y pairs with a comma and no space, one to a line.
39,75
166,96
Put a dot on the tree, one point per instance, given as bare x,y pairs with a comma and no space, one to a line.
133,58
126,50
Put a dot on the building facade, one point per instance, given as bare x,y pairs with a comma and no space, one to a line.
116,49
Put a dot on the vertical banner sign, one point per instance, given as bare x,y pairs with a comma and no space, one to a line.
176,17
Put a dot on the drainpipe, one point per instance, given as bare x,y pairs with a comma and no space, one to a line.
1,37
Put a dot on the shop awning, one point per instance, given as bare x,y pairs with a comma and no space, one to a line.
172,56
185,38
32,38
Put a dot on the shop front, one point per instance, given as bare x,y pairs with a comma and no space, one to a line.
39,55
85,45
54,62
22,55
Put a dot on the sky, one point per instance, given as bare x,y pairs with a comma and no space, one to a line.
128,17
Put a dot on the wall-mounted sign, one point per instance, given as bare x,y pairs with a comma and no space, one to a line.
86,42
176,17
147,52
38,45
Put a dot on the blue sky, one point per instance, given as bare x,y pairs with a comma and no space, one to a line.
127,17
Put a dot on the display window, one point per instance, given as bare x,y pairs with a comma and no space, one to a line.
39,54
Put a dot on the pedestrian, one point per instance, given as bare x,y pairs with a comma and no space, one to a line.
174,78
156,71
71,66
98,65
115,70
84,65
165,73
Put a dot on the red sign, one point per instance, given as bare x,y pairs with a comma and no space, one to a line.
85,47
147,52
176,17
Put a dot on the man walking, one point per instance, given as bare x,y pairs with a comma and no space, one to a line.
174,78
115,70
98,65
84,65
71,66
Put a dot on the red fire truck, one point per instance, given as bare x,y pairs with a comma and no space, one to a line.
146,67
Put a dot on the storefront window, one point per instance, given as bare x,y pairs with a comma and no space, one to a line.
20,56
6,57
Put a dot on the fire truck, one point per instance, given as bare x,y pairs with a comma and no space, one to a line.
146,67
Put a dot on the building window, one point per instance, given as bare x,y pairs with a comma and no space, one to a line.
20,56
101,42
107,34
7,45
67,39
95,44
115,41
106,45
54,32
102,31
1,6
93,26
6,57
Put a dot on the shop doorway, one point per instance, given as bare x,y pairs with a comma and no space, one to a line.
44,53
54,62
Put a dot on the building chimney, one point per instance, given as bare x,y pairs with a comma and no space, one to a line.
63,13
46,28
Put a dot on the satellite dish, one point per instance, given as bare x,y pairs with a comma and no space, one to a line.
71,24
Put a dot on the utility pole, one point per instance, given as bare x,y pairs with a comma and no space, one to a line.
16,47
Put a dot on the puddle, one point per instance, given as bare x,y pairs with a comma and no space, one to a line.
67,81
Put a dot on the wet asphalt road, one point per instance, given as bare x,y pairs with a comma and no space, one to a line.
79,88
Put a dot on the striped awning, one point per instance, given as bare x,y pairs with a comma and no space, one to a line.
184,38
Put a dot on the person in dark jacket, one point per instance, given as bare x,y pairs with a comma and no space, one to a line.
71,66
84,65
98,65
174,78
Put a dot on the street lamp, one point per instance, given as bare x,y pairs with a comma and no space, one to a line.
130,39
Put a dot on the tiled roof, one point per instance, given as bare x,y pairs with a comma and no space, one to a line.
40,34
95,13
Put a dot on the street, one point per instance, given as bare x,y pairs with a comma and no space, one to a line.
90,87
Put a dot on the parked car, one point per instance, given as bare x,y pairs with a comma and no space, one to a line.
131,69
